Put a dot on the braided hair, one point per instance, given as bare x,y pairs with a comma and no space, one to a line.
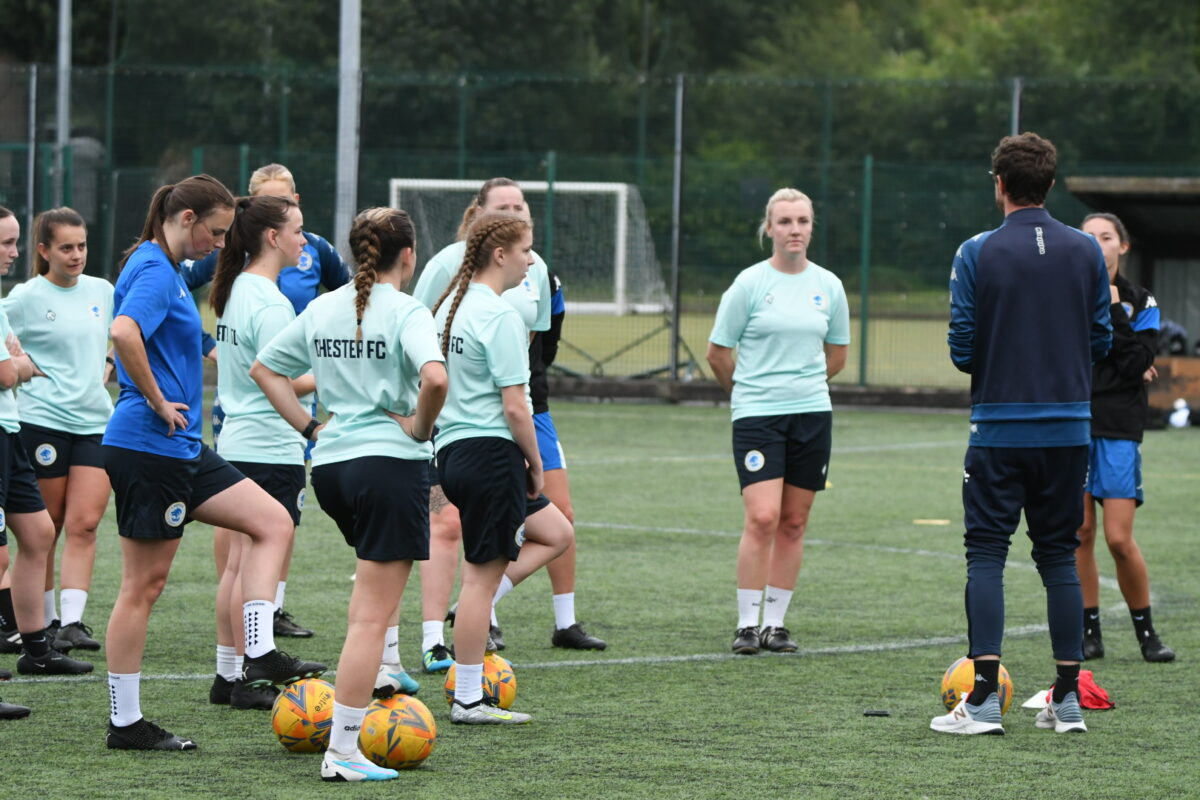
488,231
376,239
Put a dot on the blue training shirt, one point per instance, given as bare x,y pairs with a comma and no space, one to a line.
1029,313
152,292
320,265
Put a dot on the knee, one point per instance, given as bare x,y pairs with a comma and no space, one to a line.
761,523
144,589
82,529
275,527
568,511
792,526
1087,534
1124,549
445,527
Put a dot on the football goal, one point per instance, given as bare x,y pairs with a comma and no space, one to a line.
594,236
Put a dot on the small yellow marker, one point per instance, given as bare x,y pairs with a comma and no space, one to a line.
828,484
931,522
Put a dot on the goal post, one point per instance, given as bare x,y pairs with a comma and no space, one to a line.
602,248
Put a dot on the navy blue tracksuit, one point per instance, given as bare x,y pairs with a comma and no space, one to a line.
1029,313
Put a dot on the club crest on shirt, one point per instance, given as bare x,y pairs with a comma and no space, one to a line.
770,298
175,513
305,262
819,301
96,311
50,315
754,461
46,454
1128,308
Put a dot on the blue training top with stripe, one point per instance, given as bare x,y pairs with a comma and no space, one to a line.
320,265
1029,313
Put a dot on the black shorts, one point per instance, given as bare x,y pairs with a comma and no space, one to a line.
794,447
285,482
485,478
19,493
53,453
156,494
380,504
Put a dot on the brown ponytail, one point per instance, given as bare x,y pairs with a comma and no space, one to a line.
478,202
45,225
376,239
203,194
491,230
252,217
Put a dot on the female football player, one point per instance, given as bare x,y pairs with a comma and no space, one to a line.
789,321
61,318
487,453
162,473
373,351
1119,404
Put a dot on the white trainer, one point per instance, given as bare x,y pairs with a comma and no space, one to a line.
352,767
1064,717
483,714
392,679
969,719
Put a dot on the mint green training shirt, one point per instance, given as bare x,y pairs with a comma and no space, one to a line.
489,350
358,380
779,323
10,420
531,299
253,431
65,332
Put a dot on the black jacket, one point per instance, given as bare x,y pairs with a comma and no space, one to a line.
543,349
1118,391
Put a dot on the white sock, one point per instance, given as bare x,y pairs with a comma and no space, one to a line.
73,602
504,588
433,631
391,645
347,722
468,683
749,604
279,592
125,701
259,616
227,666
775,606
564,610
48,609
495,622
238,663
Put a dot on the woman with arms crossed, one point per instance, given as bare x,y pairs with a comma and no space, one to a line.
369,346
1119,404
789,321
162,473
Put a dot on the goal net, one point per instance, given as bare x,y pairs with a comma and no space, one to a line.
594,236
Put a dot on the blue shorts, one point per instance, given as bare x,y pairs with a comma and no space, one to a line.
548,444
1115,469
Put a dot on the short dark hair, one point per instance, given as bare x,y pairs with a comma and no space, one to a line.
1026,164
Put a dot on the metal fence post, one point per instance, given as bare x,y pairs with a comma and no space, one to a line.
864,311
826,156
677,225
31,164
551,176
243,167
462,126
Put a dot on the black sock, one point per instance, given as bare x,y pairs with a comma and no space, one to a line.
35,643
1091,622
987,680
1141,623
1067,681
8,618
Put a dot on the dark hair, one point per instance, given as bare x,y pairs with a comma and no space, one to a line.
201,193
4,212
491,230
478,202
45,225
376,239
1026,163
252,216
1122,233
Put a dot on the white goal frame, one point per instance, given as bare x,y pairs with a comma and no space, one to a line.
620,191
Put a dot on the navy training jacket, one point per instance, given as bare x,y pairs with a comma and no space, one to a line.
1029,314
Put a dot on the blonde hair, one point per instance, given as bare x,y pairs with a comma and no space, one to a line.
784,195
478,202
271,172
490,230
